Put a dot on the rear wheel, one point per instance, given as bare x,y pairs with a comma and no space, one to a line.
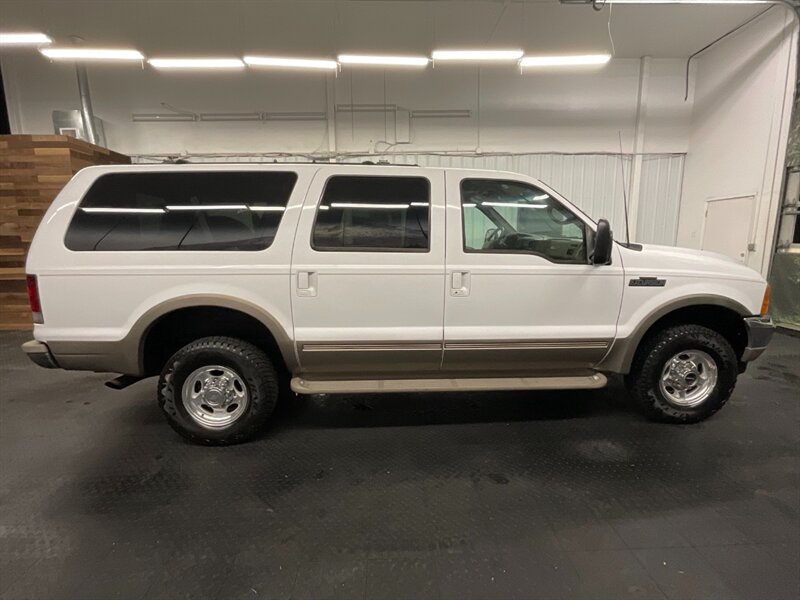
683,374
218,390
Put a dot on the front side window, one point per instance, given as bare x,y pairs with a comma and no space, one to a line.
373,213
514,217
231,210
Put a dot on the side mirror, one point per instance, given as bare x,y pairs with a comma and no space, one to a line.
601,251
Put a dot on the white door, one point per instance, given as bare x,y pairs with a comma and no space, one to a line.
521,297
367,272
728,226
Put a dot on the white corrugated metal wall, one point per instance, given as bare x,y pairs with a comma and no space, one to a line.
594,182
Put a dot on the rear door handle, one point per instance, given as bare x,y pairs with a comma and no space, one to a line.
459,283
306,283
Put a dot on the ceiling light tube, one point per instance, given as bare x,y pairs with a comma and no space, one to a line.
369,206
135,211
267,208
513,205
24,39
230,116
162,117
196,63
207,207
692,2
387,61
477,55
291,63
564,61
91,54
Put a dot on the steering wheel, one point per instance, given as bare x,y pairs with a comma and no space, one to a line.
492,237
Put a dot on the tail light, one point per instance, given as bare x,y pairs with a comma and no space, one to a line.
765,301
33,298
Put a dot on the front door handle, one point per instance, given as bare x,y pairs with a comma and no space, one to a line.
306,283
459,283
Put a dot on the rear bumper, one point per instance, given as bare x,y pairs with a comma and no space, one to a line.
39,353
759,333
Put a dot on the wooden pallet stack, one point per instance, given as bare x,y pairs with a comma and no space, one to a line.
33,169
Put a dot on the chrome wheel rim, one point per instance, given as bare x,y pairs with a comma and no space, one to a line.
215,396
688,378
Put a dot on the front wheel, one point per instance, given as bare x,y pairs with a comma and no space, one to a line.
218,390
683,374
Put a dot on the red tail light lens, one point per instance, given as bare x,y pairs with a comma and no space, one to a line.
33,298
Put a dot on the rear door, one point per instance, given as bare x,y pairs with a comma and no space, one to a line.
367,272
522,298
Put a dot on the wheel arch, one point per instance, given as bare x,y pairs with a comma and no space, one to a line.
207,315
719,313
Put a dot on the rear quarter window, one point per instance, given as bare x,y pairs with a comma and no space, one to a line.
236,210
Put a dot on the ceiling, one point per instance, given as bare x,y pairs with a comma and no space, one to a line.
325,28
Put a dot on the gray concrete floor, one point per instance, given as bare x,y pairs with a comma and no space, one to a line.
505,495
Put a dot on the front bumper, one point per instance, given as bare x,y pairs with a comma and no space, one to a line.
39,353
759,333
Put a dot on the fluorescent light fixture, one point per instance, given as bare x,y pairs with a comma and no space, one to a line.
541,197
196,63
477,55
207,207
564,61
294,116
91,54
388,61
163,117
133,211
468,205
364,205
691,2
230,116
420,204
291,63
24,39
514,205
267,208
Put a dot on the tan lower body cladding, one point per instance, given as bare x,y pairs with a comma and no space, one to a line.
479,358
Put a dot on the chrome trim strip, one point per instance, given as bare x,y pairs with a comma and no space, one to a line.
582,345
429,346
367,347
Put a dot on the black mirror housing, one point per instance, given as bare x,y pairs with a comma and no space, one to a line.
603,242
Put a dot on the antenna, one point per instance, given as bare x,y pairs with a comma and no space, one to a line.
624,192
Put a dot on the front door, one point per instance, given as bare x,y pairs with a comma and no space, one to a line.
367,272
521,297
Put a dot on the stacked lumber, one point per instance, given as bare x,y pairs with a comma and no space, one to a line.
33,169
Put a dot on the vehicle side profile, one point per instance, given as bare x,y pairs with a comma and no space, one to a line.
226,281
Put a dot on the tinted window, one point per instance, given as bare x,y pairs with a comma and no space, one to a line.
510,216
181,211
373,213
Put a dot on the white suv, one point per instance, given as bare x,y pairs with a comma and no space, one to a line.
227,280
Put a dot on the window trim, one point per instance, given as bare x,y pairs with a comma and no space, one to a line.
467,250
91,185
368,249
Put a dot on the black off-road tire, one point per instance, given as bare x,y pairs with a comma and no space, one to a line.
653,354
252,364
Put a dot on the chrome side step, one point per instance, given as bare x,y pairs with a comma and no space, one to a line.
376,386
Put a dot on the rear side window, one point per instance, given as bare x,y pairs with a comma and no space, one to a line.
367,213
181,211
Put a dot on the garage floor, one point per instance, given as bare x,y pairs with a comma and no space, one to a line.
506,495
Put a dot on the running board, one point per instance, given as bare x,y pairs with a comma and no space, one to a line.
378,386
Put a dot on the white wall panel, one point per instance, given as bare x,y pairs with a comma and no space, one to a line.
659,199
